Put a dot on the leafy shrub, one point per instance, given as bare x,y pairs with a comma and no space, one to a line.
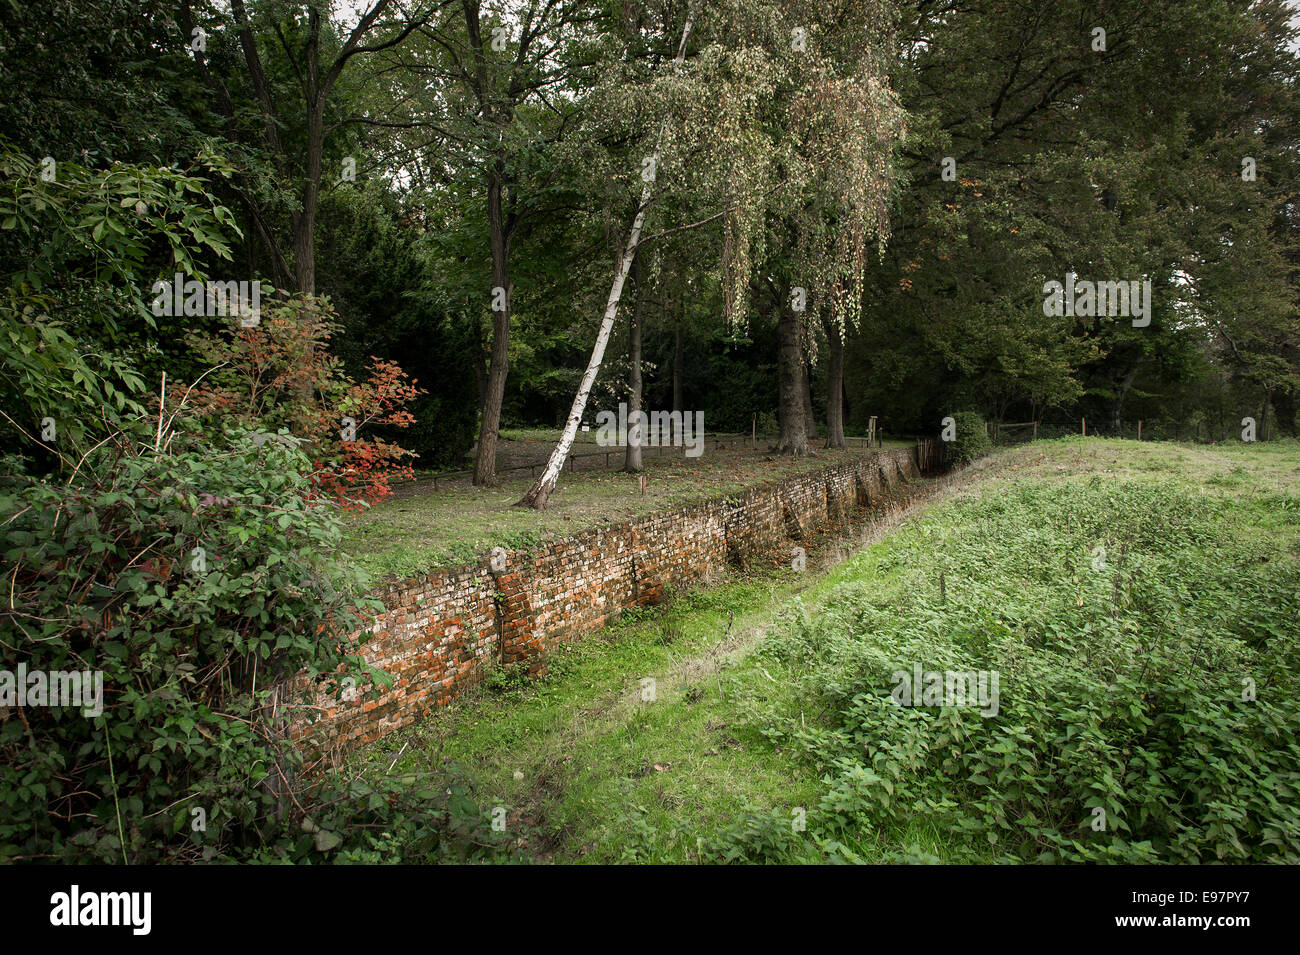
753,838
971,441
194,577
189,562
72,314
280,374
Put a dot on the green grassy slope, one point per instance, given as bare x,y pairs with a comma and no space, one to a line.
1128,596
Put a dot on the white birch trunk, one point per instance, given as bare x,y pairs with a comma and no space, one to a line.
540,492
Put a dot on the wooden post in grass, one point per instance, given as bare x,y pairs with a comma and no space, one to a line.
1085,426
1139,429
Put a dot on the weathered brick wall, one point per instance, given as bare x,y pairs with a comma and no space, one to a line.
442,631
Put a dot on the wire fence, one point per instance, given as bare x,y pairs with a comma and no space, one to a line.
1195,431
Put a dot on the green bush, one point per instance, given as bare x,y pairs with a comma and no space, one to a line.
971,440
194,578
186,567
75,329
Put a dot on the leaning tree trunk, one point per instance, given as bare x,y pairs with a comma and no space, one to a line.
793,438
635,434
835,388
485,462
540,492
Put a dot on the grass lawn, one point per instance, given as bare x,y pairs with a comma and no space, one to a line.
769,735
420,528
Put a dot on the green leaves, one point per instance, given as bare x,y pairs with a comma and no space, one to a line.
84,245
971,439
176,646
1122,734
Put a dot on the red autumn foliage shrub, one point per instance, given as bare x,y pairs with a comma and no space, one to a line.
279,375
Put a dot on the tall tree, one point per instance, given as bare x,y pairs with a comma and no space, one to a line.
636,436
495,90
540,492
293,126
755,65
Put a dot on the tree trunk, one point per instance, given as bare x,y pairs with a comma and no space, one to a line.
480,365
1121,392
540,492
485,462
677,363
835,389
635,434
304,220
793,438
809,415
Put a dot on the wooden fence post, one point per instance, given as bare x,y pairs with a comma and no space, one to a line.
1085,426
1139,429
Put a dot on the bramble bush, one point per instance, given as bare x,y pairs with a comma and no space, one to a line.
195,575
183,556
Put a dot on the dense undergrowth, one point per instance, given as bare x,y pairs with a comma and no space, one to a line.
190,608
1147,661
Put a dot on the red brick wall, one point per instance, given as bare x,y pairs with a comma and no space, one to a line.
442,631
